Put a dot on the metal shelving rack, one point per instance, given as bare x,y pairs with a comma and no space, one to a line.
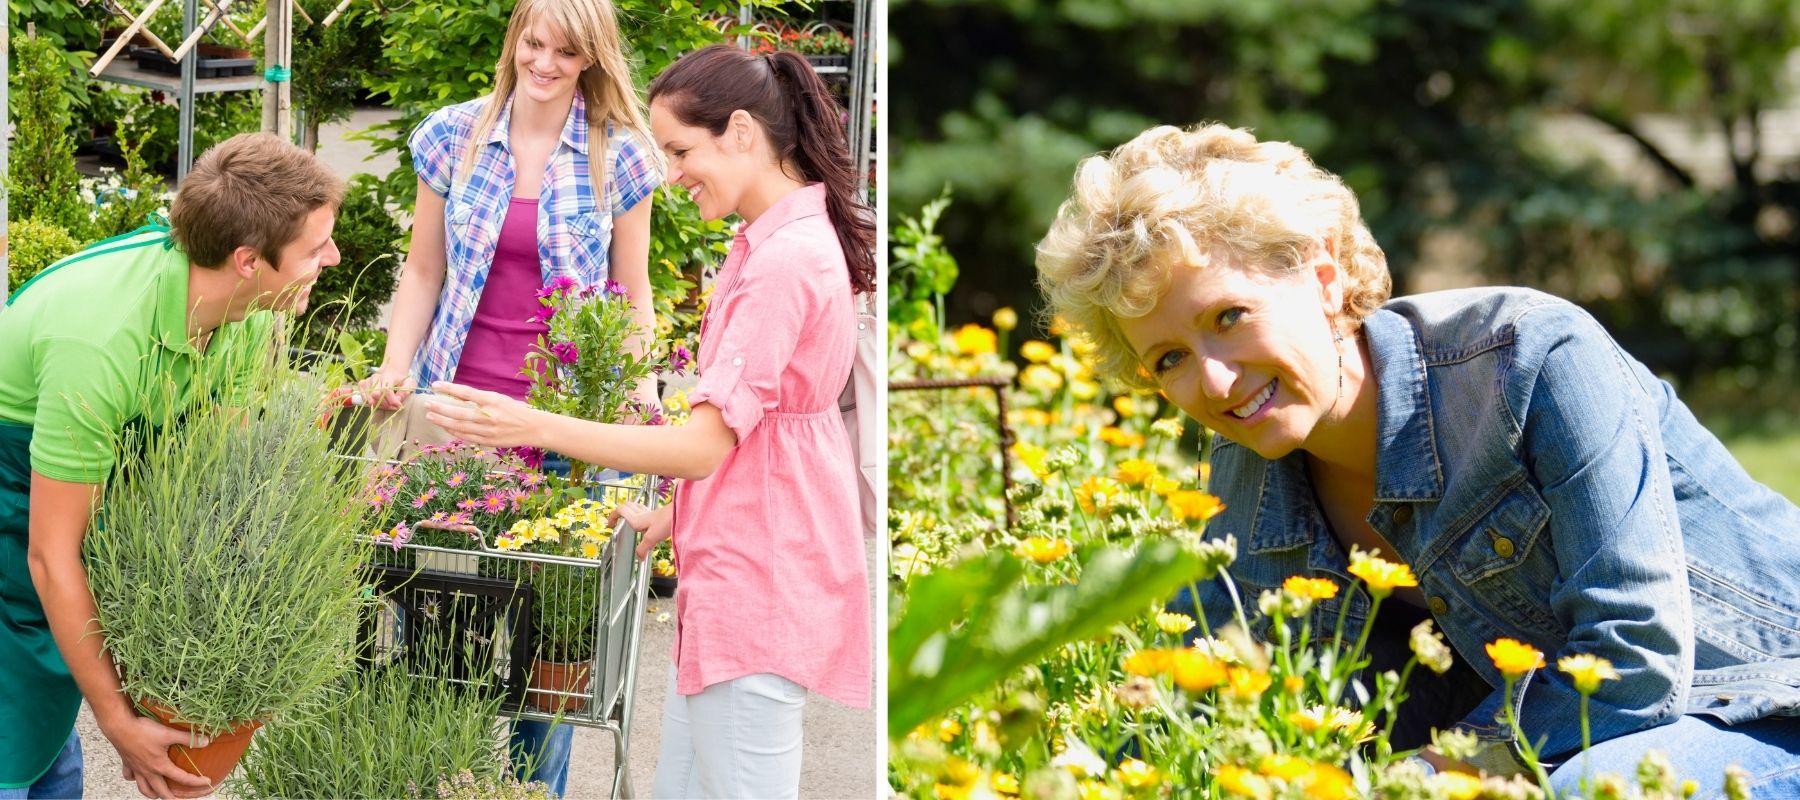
862,80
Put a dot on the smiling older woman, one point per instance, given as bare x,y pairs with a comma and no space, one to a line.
1541,482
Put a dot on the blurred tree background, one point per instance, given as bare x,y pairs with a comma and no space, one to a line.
1639,157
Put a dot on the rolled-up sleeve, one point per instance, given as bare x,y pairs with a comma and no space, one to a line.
759,328
432,146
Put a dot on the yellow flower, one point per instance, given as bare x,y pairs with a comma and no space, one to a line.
1174,624
1041,378
1042,550
1514,657
1083,389
1292,684
1196,671
1006,319
1194,505
1457,785
1118,437
974,340
1381,575
949,729
1149,663
1059,326
1283,766
1163,487
1137,774
590,550
1032,457
1587,671
1247,684
1167,426
1242,782
1135,472
1125,405
1037,351
1096,494
664,568
1310,588
1328,782
1005,783
1095,790
1330,718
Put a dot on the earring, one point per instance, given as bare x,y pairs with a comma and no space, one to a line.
1337,338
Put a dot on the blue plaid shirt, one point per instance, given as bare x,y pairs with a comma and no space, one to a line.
574,235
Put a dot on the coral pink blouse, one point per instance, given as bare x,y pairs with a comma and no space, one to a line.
771,560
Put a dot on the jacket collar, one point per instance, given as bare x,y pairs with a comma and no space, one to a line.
574,132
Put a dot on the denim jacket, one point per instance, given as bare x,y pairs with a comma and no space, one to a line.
1544,486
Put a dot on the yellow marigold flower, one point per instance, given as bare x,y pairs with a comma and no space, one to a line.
1194,505
1328,782
1196,671
1283,766
1041,549
1005,318
1514,657
1149,663
949,729
1032,456
1164,486
1125,405
1331,718
1083,389
1137,774
1005,783
1292,684
1310,588
946,791
1457,785
1041,378
1241,782
1174,624
664,568
1248,684
1382,576
1095,790
1587,671
1118,437
590,550
1096,494
974,340
1037,351
1135,472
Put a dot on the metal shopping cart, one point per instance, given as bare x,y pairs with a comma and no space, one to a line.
556,636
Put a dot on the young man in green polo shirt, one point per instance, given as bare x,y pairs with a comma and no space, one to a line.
82,346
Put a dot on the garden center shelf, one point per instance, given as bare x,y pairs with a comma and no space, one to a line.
127,73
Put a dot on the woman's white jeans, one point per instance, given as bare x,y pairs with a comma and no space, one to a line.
735,739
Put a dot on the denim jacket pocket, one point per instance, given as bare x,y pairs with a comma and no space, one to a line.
1500,560
1747,692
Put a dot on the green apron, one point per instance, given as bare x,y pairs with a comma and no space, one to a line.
38,699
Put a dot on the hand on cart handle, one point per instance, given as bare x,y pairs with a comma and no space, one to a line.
654,525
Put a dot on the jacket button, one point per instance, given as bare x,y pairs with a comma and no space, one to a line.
737,362
1503,547
1403,515
1438,606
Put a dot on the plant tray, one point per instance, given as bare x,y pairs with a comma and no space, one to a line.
479,628
835,60
151,59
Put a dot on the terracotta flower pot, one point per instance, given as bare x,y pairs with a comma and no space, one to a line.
558,676
214,761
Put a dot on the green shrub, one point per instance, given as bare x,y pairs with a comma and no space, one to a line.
34,244
380,733
43,176
129,199
227,576
349,296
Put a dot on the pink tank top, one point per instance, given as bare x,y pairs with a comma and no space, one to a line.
502,331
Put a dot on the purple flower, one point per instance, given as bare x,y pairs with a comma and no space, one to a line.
566,352
615,289
531,457
679,359
544,314
560,285
422,499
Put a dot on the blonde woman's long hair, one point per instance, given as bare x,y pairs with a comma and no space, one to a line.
592,31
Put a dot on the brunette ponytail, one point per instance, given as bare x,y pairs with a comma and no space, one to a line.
804,123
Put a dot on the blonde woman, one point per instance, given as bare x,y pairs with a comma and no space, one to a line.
548,177
1543,485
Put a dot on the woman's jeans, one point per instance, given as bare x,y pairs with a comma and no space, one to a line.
63,779
736,738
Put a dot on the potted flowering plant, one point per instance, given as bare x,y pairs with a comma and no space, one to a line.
582,367
226,576
448,496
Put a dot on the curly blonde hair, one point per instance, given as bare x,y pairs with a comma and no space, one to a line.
1173,197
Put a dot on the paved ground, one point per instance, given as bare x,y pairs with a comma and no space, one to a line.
840,746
